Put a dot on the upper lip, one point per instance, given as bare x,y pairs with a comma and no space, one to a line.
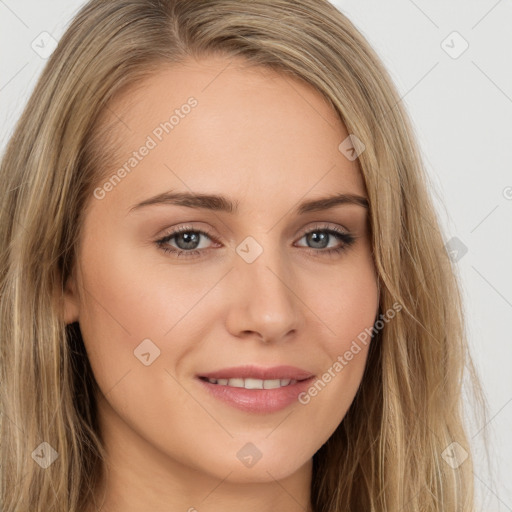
259,372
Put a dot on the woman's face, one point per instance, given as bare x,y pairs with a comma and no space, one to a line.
259,289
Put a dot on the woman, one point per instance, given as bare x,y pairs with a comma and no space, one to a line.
224,284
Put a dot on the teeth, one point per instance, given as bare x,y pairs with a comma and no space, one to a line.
253,383
271,384
235,383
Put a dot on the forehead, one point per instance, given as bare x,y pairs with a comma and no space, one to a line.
220,124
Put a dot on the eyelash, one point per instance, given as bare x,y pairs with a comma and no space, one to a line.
346,238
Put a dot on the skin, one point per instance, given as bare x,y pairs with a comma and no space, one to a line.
268,142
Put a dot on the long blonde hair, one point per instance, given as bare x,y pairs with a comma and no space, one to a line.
386,455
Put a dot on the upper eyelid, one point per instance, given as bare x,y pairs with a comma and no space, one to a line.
320,226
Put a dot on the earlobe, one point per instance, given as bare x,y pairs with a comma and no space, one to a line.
70,302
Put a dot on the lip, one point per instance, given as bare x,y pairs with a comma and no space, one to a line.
259,372
258,401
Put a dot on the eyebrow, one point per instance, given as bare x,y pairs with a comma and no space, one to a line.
223,204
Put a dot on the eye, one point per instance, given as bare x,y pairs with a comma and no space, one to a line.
188,241
322,235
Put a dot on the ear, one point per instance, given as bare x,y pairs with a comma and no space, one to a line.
70,301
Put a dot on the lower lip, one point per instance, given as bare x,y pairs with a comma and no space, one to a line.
258,400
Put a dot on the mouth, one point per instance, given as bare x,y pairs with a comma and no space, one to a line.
256,373
252,383
257,389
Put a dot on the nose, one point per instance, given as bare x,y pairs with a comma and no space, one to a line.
263,304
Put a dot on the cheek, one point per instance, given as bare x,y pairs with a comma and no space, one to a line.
347,310
117,309
130,296
346,301
127,291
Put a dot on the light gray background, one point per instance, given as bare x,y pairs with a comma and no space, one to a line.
462,112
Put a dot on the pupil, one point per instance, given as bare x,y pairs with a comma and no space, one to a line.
315,236
190,240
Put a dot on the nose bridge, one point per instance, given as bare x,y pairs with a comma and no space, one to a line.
264,298
263,264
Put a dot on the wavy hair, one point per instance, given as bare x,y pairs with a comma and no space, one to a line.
386,455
